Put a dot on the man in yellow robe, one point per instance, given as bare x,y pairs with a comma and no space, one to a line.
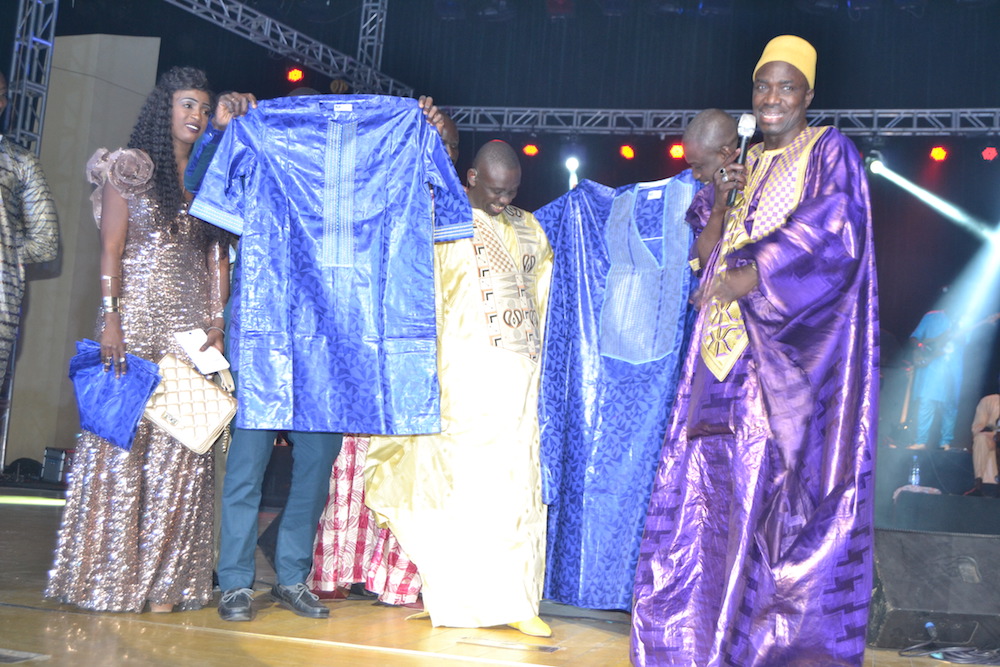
465,504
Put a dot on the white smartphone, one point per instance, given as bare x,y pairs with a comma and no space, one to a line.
209,361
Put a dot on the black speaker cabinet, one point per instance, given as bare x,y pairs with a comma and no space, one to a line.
949,579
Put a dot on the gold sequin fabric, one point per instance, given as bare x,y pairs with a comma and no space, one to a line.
137,525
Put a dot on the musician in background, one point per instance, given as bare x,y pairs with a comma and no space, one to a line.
984,444
937,384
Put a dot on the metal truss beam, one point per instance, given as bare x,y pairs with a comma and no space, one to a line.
372,35
31,65
284,40
857,122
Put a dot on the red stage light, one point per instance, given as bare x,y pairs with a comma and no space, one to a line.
677,151
295,75
939,153
989,153
531,150
626,152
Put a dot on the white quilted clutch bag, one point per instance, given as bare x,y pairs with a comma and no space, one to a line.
189,406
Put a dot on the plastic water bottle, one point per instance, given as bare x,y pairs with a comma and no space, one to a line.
915,471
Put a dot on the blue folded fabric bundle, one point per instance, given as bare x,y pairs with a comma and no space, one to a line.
110,406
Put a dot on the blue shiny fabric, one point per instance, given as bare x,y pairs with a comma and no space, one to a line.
603,418
110,406
333,319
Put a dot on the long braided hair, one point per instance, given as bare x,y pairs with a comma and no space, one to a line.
152,133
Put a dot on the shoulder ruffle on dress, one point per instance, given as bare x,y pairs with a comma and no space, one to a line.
128,170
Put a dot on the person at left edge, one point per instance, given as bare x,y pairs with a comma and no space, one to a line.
29,229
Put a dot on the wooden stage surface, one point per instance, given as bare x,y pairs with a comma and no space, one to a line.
358,632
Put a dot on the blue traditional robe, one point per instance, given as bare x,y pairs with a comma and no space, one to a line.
618,308
333,320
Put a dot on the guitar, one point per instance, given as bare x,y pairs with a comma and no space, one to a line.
930,349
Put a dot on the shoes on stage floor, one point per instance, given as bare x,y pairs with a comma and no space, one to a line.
160,608
300,599
534,627
236,605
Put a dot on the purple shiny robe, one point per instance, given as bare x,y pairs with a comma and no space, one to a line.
758,542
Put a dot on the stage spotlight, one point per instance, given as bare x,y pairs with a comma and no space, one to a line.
874,162
294,75
989,153
676,151
531,150
572,164
626,152
939,153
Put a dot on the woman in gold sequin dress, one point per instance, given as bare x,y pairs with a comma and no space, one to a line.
137,528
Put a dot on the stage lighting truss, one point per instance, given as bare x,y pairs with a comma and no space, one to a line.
664,123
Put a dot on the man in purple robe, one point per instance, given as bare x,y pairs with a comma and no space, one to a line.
758,543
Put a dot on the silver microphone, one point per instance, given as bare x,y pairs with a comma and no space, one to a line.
745,129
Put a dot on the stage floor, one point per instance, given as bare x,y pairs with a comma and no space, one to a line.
358,632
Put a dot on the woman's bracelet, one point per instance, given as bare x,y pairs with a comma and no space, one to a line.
219,329
108,280
111,304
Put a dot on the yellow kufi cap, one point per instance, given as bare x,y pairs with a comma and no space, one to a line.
792,50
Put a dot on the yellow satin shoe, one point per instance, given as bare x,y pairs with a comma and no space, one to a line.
419,616
534,627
